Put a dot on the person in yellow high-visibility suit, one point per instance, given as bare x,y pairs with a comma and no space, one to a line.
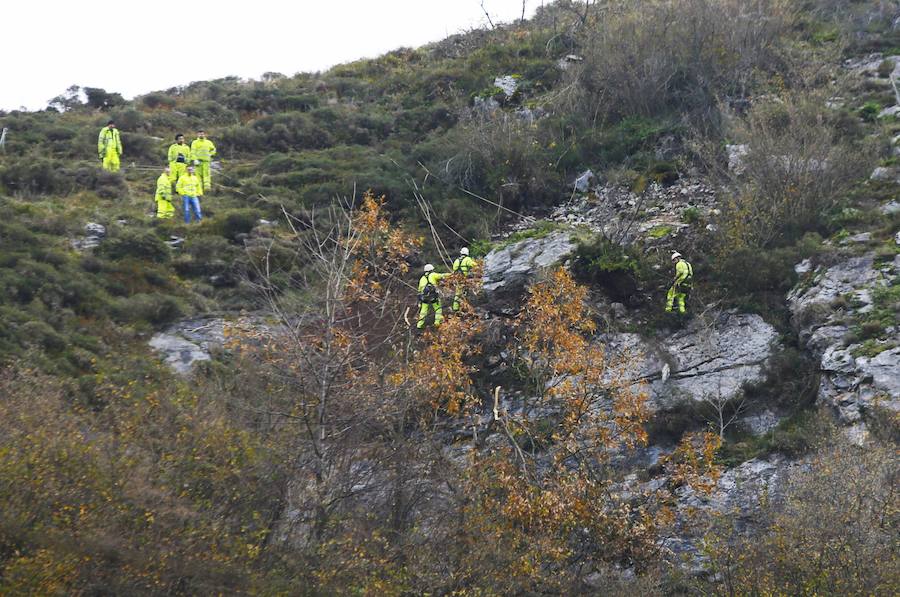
164,207
191,189
429,297
109,147
202,152
179,158
681,286
463,265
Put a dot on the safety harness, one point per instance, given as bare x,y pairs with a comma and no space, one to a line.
429,293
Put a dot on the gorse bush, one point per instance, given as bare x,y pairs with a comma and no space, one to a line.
648,57
140,245
614,269
799,167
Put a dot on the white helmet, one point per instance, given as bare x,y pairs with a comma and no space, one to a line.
429,268
675,255
464,251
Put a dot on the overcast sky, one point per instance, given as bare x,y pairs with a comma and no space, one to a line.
137,47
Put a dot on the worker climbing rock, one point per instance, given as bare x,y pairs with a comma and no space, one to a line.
429,297
681,287
203,151
164,207
109,147
179,158
462,265
191,189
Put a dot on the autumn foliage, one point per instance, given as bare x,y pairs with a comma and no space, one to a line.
340,450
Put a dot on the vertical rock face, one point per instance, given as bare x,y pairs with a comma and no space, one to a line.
707,359
509,269
856,382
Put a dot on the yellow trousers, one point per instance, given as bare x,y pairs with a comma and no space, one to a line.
423,313
203,173
176,171
164,207
677,295
111,159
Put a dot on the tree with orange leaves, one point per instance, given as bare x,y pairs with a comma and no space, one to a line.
377,414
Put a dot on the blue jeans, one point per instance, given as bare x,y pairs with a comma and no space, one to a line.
191,203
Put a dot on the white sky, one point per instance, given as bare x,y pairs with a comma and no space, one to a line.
136,47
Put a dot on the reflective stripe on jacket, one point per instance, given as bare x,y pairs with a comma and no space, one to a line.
189,185
109,138
203,150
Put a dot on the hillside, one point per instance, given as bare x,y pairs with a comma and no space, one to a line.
244,406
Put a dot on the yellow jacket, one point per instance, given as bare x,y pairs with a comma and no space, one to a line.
463,264
164,187
176,150
106,138
683,273
431,278
189,185
203,150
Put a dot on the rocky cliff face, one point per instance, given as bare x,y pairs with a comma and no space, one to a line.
508,270
858,381
712,358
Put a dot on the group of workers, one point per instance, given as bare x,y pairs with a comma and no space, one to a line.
429,296
430,299
188,170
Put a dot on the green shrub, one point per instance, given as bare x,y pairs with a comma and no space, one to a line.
39,332
791,382
127,120
238,221
885,68
158,100
137,244
301,103
101,99
885,313
758,280
241,139
154,308
33,176
206,255
870,111
60,133
777,200
612,268
540,229
631,135
793,437
669,424
664,173
691,215
140,148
